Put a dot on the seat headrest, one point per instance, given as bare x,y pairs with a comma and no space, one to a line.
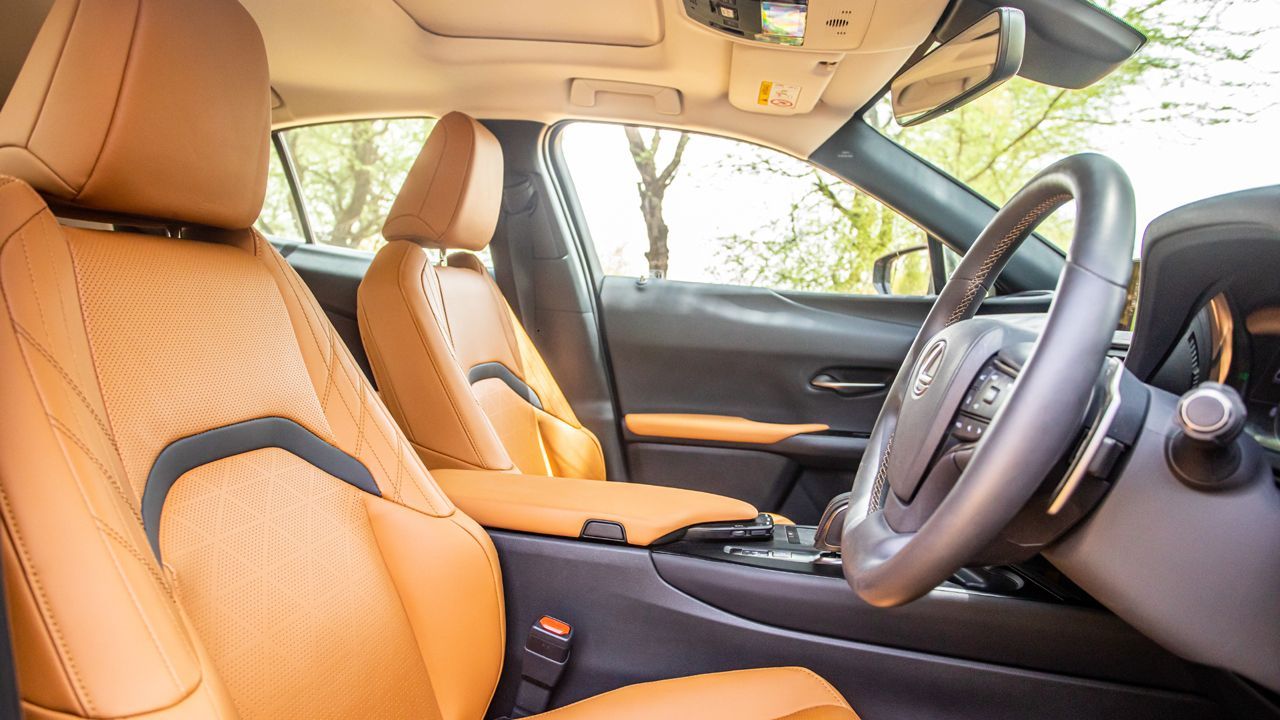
151,108
451,198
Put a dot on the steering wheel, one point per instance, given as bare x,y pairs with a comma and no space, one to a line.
984,408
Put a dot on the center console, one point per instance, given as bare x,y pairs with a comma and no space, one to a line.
793,549
661,582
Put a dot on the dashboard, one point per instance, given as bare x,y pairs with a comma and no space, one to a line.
1222,345
1209,304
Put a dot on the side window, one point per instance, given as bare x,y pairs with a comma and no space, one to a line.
349,173
279,219
705,209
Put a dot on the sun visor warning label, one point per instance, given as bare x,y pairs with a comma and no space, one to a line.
778,95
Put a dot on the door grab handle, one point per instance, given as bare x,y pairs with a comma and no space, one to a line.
825,384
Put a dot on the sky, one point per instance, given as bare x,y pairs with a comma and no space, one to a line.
1170,164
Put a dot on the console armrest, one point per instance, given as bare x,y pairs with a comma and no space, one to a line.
563,506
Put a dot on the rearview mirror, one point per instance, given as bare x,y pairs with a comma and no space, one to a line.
979,58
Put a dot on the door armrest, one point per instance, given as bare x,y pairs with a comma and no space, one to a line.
564,506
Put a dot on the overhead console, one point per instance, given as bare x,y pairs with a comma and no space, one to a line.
808,24
785,53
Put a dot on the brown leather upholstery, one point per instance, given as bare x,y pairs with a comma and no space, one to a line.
791,693
112,88
443,342
451,197
721,428
285,590
562,506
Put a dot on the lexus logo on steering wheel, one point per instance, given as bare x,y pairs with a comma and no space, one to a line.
930,363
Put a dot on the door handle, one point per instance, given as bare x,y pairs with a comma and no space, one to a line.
825,382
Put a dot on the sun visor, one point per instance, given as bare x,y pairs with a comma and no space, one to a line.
1070,43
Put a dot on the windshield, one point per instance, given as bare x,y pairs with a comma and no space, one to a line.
1195,113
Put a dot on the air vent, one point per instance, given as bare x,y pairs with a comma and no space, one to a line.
837,23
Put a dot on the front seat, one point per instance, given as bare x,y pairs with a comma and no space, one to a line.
207,512
453,363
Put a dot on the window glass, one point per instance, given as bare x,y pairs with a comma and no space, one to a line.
1191,115
279,218
350,172
705,209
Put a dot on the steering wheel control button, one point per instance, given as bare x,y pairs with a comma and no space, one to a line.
967,429
987,393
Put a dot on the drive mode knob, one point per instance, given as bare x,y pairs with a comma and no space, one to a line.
1211,413
1207,452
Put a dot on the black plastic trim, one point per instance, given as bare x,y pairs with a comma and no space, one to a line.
919,661
490,370
182,456
939,204
295,190
1070,44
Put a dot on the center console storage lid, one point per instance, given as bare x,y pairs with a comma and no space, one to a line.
564,506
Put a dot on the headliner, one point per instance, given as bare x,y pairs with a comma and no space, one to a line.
365,58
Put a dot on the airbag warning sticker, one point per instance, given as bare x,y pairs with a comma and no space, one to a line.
778,95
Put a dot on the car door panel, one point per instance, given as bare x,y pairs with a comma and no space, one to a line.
678,347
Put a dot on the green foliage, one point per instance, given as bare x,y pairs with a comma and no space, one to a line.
349,174
828,241
279,219
996,144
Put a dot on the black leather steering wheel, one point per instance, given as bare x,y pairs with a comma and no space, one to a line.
911,527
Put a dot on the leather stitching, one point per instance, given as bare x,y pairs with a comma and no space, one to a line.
882,477
121,493
824,684
148,562
25,334
102,467
33,581
435,367
32,576
1011,238
143,616
330,353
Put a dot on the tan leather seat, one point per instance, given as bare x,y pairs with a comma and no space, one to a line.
454,365
207,512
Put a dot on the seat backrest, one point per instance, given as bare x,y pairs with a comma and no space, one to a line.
207,511
452,361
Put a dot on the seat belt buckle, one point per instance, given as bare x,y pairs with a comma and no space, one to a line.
546,653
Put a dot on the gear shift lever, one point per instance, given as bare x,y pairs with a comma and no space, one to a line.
831,526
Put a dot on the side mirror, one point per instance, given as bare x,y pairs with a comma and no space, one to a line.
981,57
903,272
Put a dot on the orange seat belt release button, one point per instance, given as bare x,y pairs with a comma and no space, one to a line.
555,626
